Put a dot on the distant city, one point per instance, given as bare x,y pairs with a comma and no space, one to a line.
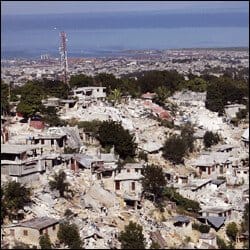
125,126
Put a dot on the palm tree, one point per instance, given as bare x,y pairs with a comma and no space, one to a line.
116,95
59,183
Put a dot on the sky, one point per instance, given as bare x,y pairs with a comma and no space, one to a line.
60,7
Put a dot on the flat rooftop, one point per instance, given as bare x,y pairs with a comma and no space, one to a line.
16,149
38,223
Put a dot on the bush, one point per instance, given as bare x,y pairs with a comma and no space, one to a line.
68,212
186,204
44,242
155,245
195,226
167,124
221,243
210,139
232,230
203,228
68,150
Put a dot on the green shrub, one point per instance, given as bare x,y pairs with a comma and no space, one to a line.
232,230
186,204
203,228
210,139
167,123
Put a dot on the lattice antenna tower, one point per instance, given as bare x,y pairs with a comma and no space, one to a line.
64,57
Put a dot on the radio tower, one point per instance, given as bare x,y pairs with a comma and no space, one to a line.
64,58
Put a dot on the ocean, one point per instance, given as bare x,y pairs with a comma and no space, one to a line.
102,34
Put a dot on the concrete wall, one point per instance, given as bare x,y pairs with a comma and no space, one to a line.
242,175
126,187
212,242
33,234
29,178
23,169
193,195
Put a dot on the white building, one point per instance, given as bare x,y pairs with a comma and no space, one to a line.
128,185
88,93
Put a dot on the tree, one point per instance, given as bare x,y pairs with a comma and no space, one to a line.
222,90
154,180
130,86
51,118
187,132
44,242
5,106
115,96
109,81
15,197
69,235
59,183
112,133
197,84
175,149
232,230
54,88
81,81
210,139
132,237
162,94
30,102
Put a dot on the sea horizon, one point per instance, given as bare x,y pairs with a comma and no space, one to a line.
105,34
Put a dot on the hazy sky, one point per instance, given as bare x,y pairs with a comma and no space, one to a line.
46,7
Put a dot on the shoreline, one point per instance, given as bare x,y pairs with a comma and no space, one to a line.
119,53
